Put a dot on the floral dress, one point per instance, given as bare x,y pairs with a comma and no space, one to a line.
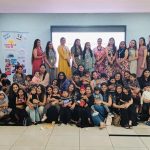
123,66
77,56
100,60
52,60
89,62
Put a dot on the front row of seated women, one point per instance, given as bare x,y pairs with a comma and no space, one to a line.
84,107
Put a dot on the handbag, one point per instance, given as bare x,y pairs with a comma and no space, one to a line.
116,120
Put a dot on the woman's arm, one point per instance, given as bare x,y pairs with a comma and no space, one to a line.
109,103
43,102
144,59
35,54
126,55
61,53
45,82
118,106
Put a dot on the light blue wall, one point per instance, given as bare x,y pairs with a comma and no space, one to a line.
38,25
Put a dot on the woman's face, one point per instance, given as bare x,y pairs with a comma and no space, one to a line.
88,90
127,75
119,89
49,90
63,41
81,68
71,88
42,69
141,42
55,90
39,91
104,88
88,45
122,44
111,41
117,77
78,42
99,41
15,88
50,45
20,92
38,43
95,75
132,44
55,82
125,91
33,91
146,74
61,76
20,70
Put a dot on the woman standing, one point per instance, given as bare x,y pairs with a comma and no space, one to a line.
111,57
51,57
100,57
37,56
148,54
142,54
133,56
88,57
76,52
64,58
121,58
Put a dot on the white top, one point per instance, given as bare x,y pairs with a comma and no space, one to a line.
145,95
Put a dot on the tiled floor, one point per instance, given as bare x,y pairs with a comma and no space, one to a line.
48,137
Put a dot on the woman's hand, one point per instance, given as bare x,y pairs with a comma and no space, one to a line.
142,66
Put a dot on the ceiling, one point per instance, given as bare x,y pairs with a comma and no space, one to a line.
74,6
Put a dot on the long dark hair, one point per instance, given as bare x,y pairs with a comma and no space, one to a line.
11,92
59,80
144,43
24,93
114,47
142,76
84,51
74,89
44,72
135,47
34,46
75,47
17,67
43,92
47,49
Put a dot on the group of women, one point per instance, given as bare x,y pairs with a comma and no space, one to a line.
100,84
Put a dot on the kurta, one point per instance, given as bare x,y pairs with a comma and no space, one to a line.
37,61
140,61
133,63
63,64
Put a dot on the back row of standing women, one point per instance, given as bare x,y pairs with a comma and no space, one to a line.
103,60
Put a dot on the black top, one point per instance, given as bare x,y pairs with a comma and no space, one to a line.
34,96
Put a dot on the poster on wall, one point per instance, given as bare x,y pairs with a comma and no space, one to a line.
14,47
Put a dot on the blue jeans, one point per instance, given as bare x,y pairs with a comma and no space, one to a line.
34,114
101,116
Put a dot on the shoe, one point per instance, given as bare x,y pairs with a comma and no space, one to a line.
147,123
95,113
44,118
102,125
127,126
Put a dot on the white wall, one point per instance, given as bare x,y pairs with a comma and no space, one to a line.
38,25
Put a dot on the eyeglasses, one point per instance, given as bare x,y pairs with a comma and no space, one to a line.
61,75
